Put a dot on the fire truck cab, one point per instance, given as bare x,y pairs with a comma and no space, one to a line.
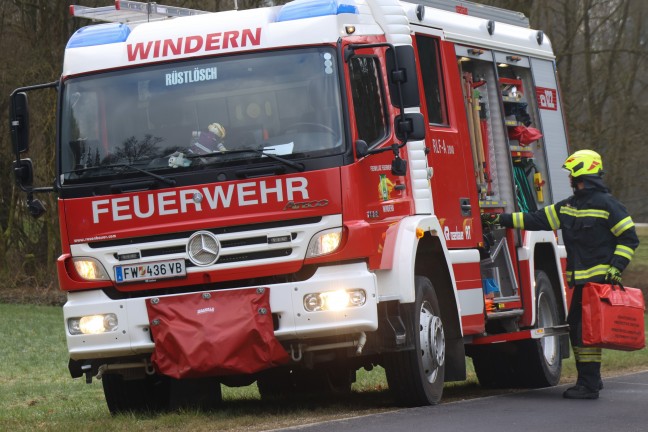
288,194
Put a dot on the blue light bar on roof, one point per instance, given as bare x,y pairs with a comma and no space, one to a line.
100,34
299,9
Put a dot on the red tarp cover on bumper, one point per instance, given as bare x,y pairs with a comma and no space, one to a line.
215,333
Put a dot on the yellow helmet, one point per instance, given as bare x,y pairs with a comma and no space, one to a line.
584,162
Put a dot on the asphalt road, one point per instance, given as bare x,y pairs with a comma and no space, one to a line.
622,407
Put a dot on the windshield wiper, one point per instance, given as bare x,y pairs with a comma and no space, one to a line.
168,181
298,166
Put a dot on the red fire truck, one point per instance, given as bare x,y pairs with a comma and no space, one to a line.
291,193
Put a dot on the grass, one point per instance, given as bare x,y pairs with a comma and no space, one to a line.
636,275
37,393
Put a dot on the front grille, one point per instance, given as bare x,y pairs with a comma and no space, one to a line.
217,231
241,247
224,259
244,242
163,251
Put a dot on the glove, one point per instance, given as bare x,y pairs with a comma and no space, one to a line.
490,219
613,275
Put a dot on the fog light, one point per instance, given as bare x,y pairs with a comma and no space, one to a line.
312,302
357,297
334,300
93,324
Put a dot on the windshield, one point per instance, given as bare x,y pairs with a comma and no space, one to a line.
201,113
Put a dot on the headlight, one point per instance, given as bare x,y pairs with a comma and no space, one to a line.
324,242
334,300
93,324
90,269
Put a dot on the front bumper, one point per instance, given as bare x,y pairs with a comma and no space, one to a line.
295,323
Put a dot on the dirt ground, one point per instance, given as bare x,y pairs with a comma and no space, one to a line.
47,295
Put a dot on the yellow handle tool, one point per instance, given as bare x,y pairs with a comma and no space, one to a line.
538,182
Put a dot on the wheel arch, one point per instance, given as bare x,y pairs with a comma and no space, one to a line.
546,260
431,262
413,247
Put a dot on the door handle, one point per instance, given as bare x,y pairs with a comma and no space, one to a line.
466,208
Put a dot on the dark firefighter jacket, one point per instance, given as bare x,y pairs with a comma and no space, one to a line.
597,230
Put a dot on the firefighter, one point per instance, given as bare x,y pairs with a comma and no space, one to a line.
600,239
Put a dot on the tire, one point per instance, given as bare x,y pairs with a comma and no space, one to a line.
288,383
541,359
532,363
159,393
494,366
137,395
416,376
195,394
277,383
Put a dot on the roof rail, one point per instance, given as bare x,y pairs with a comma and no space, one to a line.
132,12
477,10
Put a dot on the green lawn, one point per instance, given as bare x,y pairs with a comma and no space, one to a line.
37,393
636,275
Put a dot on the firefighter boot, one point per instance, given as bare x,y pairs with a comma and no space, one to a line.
580,392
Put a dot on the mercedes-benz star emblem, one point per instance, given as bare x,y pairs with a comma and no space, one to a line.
203,248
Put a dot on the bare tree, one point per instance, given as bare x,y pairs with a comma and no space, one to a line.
601,48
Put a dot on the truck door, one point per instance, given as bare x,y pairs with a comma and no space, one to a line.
553,125
453,181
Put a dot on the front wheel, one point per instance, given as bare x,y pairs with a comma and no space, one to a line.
416,376
158,393
286,383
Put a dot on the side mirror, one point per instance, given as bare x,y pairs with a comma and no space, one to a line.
401,66
410,124
24,172
399,167
19,118
35,207
361,149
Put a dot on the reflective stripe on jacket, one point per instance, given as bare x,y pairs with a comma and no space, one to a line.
597,230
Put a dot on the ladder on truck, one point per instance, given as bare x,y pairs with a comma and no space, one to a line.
478,10
132,12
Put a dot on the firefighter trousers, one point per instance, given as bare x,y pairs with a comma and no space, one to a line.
588,359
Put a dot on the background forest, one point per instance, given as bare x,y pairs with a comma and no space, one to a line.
602,56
